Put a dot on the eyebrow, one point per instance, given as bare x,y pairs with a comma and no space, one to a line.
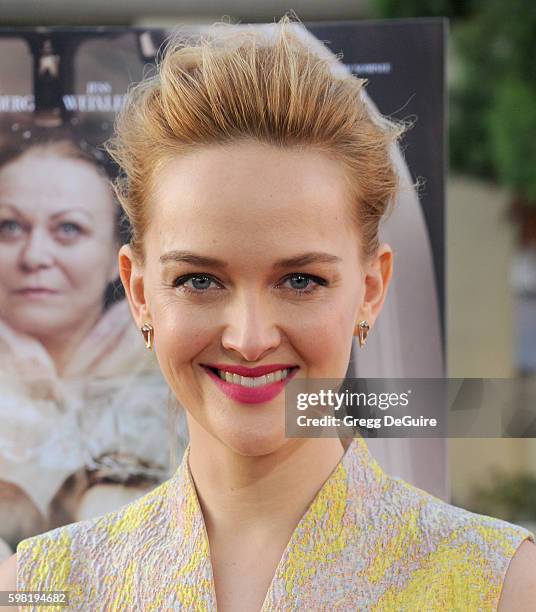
201,260
58,214
70,210
13,208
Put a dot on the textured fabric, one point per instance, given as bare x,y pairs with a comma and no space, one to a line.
111,398
368,541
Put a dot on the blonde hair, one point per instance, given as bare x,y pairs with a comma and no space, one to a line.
231,85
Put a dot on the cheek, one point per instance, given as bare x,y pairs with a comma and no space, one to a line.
324,340
327,344
8,262
86,265
182,333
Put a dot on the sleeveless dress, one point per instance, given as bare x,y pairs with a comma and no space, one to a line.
367,541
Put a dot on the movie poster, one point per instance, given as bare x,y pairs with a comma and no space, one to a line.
87,420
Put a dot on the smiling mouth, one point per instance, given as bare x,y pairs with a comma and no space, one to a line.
252,381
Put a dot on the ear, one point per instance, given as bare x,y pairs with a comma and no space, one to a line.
378,272
131,275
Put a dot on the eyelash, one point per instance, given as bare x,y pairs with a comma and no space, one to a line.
4,224
7,223
179,282
77,227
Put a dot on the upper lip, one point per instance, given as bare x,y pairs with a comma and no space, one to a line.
243,371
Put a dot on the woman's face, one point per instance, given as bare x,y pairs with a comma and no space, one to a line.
251,261
57,245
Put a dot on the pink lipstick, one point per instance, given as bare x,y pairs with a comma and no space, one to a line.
251,385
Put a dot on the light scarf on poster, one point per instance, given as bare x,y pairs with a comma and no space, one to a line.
111,397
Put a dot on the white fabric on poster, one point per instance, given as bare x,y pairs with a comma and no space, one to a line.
110,399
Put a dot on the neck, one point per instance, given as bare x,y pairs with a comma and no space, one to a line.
62,345
260,495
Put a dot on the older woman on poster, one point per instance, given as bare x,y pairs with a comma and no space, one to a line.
255,180
69,368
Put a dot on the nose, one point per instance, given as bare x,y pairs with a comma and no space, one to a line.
37,250
250,329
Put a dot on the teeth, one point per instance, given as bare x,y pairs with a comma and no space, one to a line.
253,381
246,381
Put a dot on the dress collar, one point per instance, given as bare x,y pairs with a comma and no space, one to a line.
343,504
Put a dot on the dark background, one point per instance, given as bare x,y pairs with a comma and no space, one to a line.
413,90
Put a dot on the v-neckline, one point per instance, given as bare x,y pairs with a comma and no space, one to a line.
338,474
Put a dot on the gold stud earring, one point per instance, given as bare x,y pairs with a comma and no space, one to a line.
364,329
148,333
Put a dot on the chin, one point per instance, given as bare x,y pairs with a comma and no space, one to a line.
31,326
247,430
40,332
255,443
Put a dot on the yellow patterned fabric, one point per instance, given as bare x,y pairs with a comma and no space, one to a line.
368,541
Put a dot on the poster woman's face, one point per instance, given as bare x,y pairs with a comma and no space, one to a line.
251,261
57,246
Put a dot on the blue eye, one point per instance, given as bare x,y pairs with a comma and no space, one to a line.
300,284
305,283
199,282
70,229
9,227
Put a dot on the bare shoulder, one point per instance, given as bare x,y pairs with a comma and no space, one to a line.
519,588
8,578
